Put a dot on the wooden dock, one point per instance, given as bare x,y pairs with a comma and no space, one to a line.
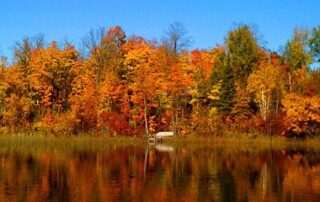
159,136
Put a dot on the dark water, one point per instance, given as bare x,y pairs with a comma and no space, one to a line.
138,173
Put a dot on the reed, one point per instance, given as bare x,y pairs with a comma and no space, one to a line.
89,142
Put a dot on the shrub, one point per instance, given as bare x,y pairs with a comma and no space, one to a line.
117,124
302,115
59,124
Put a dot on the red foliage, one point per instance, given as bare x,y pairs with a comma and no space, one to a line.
163,122
118,124
274,124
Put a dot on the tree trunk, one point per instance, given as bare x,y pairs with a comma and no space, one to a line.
263,105
174,116
290,82
145,115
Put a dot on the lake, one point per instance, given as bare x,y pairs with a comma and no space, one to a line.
163,173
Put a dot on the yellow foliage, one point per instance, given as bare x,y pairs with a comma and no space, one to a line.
83,100
302,114
58,124
262,83
51,73
17,111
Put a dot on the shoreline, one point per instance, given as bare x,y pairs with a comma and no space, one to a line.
97,142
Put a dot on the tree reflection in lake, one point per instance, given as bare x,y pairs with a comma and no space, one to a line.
132,173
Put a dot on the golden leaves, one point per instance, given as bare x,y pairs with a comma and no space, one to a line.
302,113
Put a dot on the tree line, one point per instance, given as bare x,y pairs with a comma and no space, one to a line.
125,85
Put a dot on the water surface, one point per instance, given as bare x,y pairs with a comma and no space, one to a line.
164,173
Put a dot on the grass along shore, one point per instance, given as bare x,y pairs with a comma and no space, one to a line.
90,142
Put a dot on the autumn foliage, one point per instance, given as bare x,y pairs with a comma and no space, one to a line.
131,86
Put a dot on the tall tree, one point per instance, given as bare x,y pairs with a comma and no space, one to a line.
296,54
263,82
107,54
314,43
201,67
52,72
23,49
227,91
91,41
83,98
223,75
143,77
176,39
243,52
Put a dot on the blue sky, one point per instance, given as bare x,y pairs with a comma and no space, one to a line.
207,21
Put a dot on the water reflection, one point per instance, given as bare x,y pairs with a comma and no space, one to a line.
141,173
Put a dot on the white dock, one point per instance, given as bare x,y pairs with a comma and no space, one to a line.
159,136
164,134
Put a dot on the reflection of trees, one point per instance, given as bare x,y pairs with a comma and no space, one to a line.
227,184
125,174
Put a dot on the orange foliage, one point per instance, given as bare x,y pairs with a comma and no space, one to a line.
117,124
83,100
52,72
302,115
59,124
202,61
131,85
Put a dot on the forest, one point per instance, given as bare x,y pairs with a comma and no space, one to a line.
132,86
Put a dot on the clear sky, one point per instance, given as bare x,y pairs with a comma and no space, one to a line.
207,21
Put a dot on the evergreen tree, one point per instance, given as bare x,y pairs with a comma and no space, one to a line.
243,53
227,91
